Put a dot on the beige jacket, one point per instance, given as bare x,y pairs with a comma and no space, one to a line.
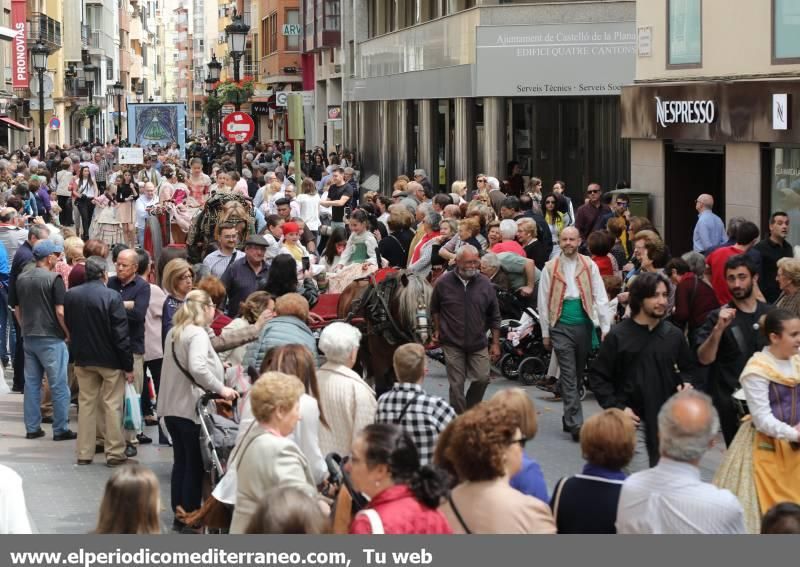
349,403
266,461
494,507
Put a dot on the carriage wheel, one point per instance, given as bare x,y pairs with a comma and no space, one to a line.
531,370
509,364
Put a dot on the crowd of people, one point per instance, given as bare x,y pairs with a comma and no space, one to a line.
679,347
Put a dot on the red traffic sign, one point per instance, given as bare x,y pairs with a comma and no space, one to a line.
238,127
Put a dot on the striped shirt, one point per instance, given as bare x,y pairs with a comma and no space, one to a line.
670,498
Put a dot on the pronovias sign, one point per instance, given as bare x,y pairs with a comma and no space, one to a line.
555,59
684,112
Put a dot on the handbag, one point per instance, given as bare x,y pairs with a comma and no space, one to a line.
459,517
375,522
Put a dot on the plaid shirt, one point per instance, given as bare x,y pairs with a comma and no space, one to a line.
425,416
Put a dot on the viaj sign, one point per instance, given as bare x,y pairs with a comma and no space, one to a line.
684,112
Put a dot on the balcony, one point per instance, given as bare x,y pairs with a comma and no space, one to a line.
249,70
124,59
124,21
85,33
99,40
75,88
136,30
42,27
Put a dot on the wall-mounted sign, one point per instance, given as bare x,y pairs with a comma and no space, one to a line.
19,45
292,29
555,59
644,37
684,112
55,123
131,156
334,113
260,107
281,98
780,111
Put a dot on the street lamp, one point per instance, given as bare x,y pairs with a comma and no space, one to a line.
214,70
89,71
39,53
139,92
119,88
210,91
236,33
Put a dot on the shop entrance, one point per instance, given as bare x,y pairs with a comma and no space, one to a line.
690,170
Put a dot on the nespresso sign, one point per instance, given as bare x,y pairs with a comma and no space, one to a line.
712,111
684,112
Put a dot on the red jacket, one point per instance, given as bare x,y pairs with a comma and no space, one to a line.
402,513
604,265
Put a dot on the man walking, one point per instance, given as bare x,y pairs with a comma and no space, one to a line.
103,362
589,215
670,498
464,306
339,194
570,291
729,338
222,258
135,294
709,230
40,312
247,274
772,249
635,367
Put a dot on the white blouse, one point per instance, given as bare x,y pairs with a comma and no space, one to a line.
756,390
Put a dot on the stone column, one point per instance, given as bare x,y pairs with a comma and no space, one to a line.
465,142
427,141
494,126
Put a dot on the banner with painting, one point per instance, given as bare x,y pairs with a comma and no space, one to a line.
157,124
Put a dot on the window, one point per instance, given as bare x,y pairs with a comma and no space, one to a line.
785,31
273,33
784,184
293,19
684,33
264,35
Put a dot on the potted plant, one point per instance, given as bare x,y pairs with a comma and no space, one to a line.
235,92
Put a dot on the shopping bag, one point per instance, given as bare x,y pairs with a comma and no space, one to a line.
152,391
132,417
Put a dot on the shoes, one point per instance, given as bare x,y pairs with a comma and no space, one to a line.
65,436
130,451
84,461
48,419
564,427
35,434
549,384
17,390
112,463
576,434
143,439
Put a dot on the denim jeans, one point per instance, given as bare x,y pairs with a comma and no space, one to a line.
4,314
140,236
46,355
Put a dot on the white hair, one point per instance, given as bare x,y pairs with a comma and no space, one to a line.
508,228
676,440
490,260
493,183
338,341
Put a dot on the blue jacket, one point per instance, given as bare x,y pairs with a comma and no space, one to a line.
530,480
283,330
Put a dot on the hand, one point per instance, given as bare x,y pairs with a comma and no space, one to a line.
494,351
627,267
623,298
526,291
685,386
547,344
632,414
315,318
726,316
129,377
128,304
38,220
603,336
229,394
364,267
266,316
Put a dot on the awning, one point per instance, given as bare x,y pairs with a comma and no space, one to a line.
13,124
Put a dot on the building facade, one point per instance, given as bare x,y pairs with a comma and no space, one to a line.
462,87
703,120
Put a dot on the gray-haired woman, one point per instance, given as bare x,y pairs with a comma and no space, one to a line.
421,256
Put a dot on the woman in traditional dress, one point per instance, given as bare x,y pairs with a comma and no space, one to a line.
126,193
199,183
771,384
107,225
359,256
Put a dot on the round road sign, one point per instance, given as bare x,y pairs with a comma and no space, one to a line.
238,127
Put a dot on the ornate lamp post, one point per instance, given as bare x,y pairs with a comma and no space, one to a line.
214,70
236,33
89,71
39,53
119,89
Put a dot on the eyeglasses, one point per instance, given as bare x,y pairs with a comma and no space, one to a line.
521,442
593,191
187,277
481,180
622,204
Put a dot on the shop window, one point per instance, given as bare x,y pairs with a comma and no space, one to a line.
684,33
785,187
785,31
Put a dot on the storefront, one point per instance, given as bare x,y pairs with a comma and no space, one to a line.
736,141
546,95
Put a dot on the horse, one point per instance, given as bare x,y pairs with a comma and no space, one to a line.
407,319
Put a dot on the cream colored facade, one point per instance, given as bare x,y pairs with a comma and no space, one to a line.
737,41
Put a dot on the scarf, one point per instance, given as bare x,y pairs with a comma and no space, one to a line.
763,364
418,249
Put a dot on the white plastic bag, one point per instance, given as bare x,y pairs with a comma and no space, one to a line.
4,389
132,417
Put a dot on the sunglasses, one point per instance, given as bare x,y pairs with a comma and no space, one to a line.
593,191
622,204
481,181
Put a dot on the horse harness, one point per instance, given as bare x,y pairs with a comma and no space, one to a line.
375,304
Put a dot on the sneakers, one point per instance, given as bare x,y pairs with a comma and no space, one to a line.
35,434
130,451
143,439
65,436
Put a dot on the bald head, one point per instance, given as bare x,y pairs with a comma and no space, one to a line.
687,425
707,201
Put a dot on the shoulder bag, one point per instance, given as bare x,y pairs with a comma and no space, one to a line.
458,514
375,522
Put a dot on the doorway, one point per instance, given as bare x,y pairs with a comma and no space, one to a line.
690,170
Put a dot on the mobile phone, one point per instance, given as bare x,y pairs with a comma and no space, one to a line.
306,263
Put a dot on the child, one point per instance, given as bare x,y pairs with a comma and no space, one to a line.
106,225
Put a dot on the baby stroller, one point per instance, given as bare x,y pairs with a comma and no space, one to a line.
217,437
524,357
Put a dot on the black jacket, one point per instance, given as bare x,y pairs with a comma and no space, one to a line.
98,327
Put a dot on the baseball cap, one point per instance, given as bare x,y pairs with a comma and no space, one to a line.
44,248
256,240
